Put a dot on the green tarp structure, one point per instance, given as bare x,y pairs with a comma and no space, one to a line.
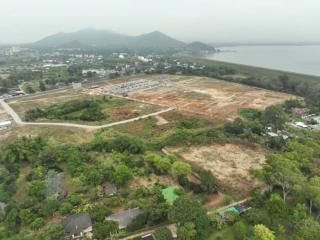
169,194
229,210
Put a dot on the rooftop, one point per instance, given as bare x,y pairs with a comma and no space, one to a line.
169,194
124,218
75,224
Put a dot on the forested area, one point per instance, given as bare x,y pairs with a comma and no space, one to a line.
287,207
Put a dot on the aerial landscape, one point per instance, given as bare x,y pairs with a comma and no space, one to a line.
157,131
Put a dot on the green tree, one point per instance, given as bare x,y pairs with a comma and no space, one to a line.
160,164
42,86
195,214
309,229
312,191
178,212
276,206
280,171
236,127
240,230
51,232
162,233
180,168
29,89
105,230
275,116
65,208
37,189
261,232
98,212
27,216
37,224
209,183
187,231
122,175
12,220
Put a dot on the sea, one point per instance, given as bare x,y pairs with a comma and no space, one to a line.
297,59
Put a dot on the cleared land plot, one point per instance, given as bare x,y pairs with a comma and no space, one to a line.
114,109
230,163
210,97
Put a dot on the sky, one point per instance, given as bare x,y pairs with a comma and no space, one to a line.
23,21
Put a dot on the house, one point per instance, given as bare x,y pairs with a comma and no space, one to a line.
231,210
77,226
109,189
124,218
76,85
5,125
242,208
301,125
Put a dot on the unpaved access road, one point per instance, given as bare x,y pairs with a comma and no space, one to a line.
19,121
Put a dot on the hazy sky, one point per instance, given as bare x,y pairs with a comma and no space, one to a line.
206,20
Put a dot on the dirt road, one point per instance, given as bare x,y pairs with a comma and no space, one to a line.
18,120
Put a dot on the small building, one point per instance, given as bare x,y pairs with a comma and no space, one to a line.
77,226
5,125
301,125
242,208
124,218
109,189
76,85
272,134
224,213
317,119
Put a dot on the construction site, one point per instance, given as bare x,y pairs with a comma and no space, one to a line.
136,85
202,96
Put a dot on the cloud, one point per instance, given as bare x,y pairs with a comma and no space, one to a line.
207,20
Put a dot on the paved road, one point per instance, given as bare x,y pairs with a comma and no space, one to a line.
18,120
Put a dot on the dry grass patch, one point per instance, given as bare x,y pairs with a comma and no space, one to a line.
230,163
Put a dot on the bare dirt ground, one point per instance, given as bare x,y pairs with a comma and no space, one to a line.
151,180
210,97
215,201
230,163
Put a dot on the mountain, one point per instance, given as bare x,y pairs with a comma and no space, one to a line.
200,47
92,38
158,40
89,37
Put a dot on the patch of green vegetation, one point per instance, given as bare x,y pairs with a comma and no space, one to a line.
225,234
85,110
